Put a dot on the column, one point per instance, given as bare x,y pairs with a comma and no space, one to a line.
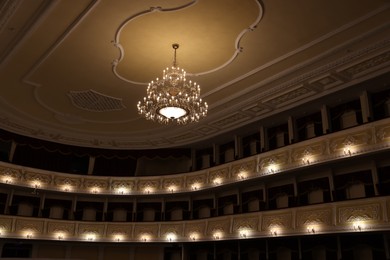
326,124
41,204
91,164
331,185
238,153
215,154
263,139
292,130
105,209
375,179
12,151
9,201
193,159
365,104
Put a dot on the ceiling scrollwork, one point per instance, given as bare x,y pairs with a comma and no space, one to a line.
158,32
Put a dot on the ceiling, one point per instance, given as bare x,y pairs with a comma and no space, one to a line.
73,71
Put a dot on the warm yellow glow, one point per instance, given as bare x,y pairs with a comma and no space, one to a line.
172,112
67,188
173,99
172,188
217,235
244,232
306,160
217,181
60,235
194,236
275,230
29,234
272,168
242,175
122,190
90,237
311,229
195,186
36,184
349,150
95,190
359,225
8,180
148,190
171,237
119,238
145,237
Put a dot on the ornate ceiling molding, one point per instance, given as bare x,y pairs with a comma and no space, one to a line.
151,10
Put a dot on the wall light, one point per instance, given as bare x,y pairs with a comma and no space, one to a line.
241,176
172,188
272,168
244,233
358,226
67,188
122,191
306,160
311,230
91,237
171,237
195,186
7,180
36,184
217,181
194,236
275,230
145,238
217,235
118,238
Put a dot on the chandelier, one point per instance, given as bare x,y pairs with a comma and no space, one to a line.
173,99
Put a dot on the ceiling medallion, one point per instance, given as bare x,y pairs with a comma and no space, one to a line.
173,99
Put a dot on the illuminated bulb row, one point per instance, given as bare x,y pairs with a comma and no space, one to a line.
171,237
272,168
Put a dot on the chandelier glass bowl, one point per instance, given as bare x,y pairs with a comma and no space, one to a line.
173,99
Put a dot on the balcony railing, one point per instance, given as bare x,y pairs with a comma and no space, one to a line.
362,215
361,140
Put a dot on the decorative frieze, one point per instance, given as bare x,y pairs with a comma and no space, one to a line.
243,170
317,217
29,225
146,232
246,223
123,230
360,212
65,228
218,176
218,228
5,224
277,222
195,229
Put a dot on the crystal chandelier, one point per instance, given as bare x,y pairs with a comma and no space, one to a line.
173,99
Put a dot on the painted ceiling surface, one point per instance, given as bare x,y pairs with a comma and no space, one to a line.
73,71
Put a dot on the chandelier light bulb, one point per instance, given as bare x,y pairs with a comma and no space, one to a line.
173,99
